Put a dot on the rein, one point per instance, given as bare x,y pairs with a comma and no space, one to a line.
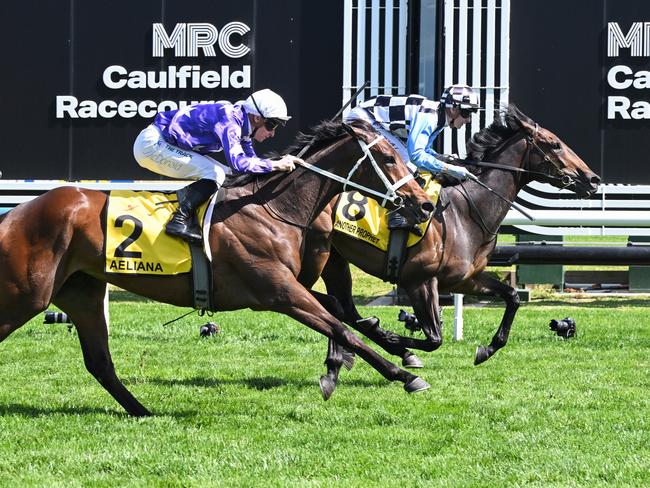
391,190
389,196
530,143
565,180
481,222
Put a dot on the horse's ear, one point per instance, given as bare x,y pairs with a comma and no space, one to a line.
527,125
522,121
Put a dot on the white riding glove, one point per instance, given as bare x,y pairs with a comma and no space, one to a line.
457,172
286,163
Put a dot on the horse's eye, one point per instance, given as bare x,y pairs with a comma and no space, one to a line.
556,146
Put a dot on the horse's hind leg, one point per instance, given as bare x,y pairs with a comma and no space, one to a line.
82,298
484,284
298,303
11,322
16,308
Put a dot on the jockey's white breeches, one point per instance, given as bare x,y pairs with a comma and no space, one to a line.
153,153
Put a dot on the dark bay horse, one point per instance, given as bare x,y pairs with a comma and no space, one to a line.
455,250
51,251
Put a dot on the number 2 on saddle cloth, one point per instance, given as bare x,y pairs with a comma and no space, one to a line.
136,242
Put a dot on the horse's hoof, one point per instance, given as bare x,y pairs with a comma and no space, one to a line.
412,362
416,384
368,322
327,387
482,355
348,359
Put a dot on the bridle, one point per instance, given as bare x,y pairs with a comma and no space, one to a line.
391,189
564,180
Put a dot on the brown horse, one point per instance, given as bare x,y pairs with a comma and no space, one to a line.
51,251
455,250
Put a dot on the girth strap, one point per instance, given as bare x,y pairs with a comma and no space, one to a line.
396,253
201,278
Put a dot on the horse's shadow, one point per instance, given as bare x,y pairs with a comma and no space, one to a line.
32,411
256,383
24,410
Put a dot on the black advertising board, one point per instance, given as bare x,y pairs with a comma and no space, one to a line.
88,76
582,69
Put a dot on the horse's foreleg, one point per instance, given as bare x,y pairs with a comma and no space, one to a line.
82,298
338,280
484,284
337,355
303,307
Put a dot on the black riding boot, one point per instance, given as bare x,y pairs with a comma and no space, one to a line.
182,223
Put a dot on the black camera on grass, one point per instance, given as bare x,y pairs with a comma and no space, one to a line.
209,329
56,318
410,321
564,328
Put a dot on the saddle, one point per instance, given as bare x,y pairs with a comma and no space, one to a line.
364,219
136,242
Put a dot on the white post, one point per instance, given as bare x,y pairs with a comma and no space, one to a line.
374,49
361,47
458,317
449,62
402,52
347,53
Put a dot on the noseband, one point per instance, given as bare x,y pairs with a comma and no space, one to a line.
564,180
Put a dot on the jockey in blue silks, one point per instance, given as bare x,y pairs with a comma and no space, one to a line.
412,123
178,142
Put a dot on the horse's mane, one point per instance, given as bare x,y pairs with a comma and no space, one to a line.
321,134
505,125
318,136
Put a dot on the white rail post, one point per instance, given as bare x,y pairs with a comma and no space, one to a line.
458,317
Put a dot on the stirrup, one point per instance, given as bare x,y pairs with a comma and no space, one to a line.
178,226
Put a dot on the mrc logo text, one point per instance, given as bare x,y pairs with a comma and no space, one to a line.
188,38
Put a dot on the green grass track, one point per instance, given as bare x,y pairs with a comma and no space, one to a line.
244,408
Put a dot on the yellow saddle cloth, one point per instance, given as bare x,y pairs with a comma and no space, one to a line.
364,219
136,242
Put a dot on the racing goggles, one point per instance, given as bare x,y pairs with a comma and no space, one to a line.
273,123
466,112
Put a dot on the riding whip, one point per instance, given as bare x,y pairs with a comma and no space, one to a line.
473,177
515,205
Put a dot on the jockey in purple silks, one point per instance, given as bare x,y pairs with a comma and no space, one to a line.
176,144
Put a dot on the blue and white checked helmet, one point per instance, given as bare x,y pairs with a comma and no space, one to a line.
461,97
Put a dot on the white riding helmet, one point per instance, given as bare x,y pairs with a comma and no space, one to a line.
267,104
461,97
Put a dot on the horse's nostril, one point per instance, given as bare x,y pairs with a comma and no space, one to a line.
595,180
427,207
